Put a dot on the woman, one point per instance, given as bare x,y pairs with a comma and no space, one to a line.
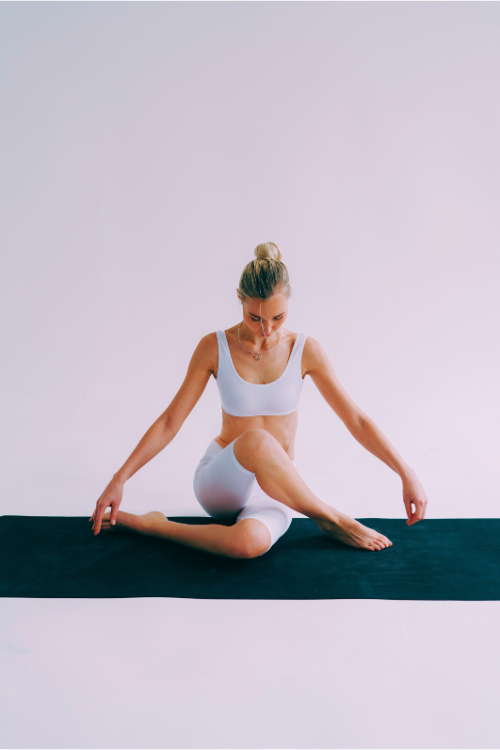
247,476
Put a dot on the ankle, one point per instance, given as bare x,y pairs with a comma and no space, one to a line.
329,514
129,520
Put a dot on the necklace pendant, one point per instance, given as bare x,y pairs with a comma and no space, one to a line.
258,356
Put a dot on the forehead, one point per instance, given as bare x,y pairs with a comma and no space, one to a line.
275,305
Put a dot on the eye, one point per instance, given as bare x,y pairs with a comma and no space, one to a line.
278,317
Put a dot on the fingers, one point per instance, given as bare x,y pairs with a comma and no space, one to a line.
421,510
413,515
418,514
98,516
103,520
98,520
415,498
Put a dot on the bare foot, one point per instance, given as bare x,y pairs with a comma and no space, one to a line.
351,532
129,521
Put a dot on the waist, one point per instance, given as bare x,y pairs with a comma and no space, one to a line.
282,427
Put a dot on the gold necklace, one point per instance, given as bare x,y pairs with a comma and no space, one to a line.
259,354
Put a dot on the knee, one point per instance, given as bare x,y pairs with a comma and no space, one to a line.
258,440
248,540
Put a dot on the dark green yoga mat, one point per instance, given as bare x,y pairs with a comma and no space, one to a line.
435,559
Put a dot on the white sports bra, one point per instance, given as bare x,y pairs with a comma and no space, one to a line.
242,399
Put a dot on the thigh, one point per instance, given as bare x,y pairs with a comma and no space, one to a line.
276,516
221,485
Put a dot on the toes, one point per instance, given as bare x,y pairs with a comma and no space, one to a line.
379,543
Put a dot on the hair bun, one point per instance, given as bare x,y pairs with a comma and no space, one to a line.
267,251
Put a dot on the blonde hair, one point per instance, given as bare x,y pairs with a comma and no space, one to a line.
265,275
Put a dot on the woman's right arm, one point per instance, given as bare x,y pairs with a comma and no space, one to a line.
161,432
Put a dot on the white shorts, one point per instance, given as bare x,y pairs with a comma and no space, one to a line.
227,491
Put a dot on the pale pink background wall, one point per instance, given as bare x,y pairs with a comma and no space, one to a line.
147,148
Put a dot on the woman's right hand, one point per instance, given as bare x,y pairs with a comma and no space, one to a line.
111,497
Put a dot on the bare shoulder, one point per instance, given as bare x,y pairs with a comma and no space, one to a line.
206,354
208,342
314,357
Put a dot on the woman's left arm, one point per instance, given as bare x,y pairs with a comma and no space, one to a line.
363,428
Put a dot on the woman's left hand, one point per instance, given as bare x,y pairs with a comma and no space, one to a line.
414,494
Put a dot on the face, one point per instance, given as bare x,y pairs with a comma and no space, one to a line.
265,317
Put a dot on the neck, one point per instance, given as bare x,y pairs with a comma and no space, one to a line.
259,342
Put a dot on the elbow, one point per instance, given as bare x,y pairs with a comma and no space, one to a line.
169,424
358,423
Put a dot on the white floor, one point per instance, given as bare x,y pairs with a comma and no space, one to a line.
180,673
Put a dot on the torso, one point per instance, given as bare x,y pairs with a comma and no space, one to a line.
269,368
